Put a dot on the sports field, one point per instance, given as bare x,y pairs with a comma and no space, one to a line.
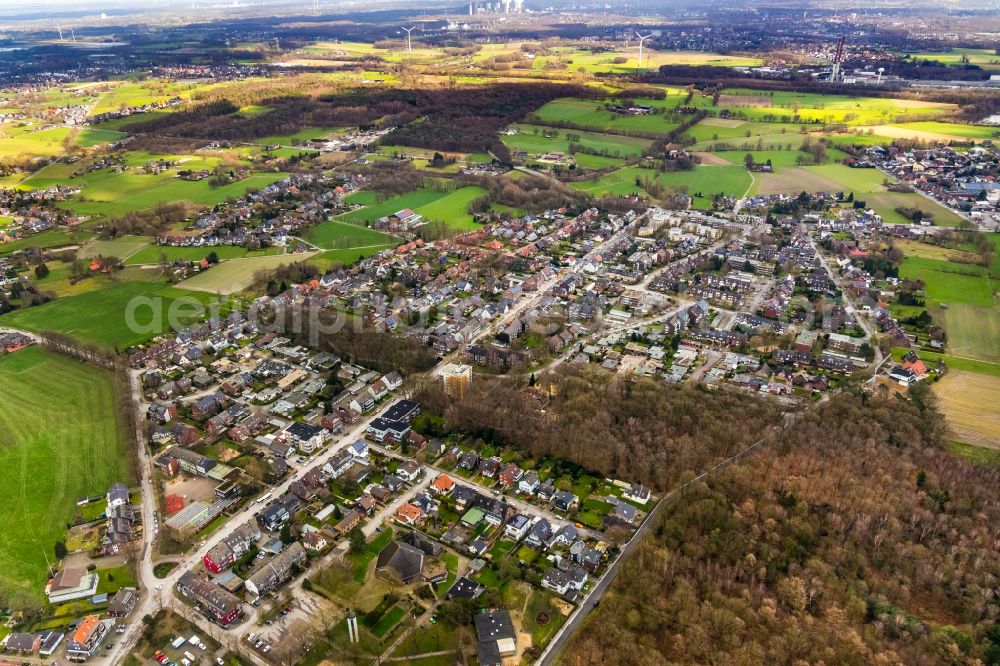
68,444
100,316
969,401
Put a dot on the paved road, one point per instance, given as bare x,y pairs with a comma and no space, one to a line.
848,303
157,593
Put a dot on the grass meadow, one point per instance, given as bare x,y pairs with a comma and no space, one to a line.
69,444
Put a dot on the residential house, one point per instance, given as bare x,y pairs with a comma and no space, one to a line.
231,548
564,500
637,493
212,599
87,638
442,485
275,571
510,475
565,583
517,527
409,514
528,483
123,602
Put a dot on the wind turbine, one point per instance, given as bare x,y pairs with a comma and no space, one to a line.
409,45
59,28
641,40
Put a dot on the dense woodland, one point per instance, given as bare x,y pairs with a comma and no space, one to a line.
629,430
451,119
344,335
853,537
857,540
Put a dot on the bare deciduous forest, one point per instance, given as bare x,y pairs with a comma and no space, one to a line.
858,540
854,537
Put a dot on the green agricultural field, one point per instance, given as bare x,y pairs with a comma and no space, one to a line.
985,58
953,362
120,123
453,208
38,144
605,63
330,258
69,444
704,180
946,282
973,331
737,132
107,194
130,94
151,254
90,137
450,206
977,132
100,316
334,234
594,162
779,158
859,181
301,136
235,275
817,108
533,143
592,114
46,239
886,203
121,247
375,208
